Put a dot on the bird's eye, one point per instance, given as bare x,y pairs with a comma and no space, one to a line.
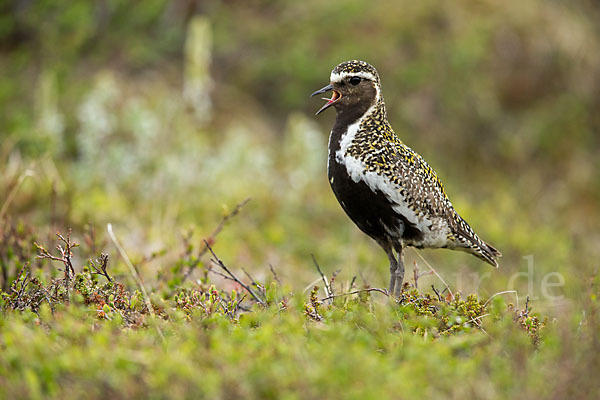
355,80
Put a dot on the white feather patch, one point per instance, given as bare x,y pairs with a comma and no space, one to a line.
335,77
435,230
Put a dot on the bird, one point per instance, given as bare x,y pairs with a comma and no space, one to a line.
388,190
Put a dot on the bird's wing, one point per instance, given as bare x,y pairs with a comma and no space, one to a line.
421,186
425,194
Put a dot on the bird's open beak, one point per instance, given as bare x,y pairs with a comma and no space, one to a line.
334,98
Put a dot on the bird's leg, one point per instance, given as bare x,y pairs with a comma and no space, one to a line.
393,264
393,271
396,266
399,274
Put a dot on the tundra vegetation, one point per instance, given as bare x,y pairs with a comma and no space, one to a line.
167,229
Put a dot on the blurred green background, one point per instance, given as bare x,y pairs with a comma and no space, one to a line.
160,117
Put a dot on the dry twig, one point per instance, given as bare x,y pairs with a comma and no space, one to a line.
135,275
440,298
369,290
327,288
23,283
213,236
255,283
217,261
352,282
275,274
332,280
417,275
103,263
65,255
503,292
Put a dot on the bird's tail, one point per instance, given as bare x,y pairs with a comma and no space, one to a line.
473,244
486,252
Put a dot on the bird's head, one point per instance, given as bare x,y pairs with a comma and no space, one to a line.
355,86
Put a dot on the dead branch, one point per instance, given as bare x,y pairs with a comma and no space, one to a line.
217,261
213,236
222,275
352,282
103,264
332,280
440,298
135,275
23,283
66,255
503,292
275,274
417,275
369,290
255,283
327,288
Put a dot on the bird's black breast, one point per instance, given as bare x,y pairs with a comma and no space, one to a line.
370,210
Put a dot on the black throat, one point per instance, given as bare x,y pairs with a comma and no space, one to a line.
371,210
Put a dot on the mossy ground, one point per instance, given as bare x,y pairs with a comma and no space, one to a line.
88,336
